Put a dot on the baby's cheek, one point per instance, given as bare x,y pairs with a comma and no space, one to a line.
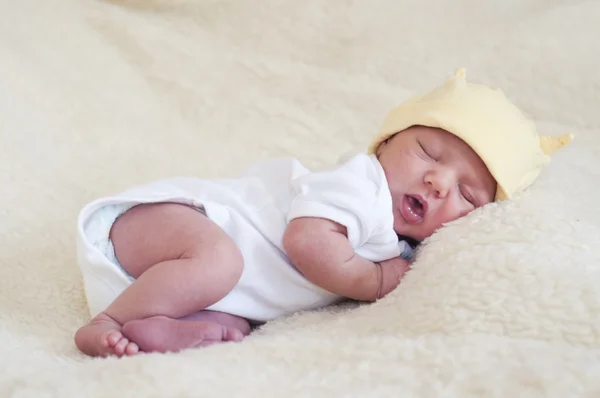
453,212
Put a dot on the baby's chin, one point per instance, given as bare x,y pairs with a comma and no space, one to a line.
403,233
411,233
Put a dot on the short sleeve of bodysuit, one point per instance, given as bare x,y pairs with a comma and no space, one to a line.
347,195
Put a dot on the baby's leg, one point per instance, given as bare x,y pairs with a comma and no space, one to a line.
183,263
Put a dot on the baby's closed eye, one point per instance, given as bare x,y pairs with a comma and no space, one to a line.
467,195
428,153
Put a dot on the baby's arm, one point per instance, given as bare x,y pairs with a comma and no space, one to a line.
320,249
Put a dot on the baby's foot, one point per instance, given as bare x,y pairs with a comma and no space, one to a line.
162,334
232,321
102,337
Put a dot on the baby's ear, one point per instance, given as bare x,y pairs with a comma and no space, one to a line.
380,147
552,144
384,143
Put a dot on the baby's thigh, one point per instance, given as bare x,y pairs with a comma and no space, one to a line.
149,234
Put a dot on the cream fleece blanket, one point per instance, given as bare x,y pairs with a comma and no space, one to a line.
98,95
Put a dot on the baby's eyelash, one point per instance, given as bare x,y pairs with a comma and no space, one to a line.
468,197
425,150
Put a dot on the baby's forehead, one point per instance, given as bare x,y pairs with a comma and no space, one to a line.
436,133
449,140
457,149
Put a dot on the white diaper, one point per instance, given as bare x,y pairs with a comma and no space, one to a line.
97,230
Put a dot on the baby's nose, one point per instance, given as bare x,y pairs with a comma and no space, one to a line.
441,182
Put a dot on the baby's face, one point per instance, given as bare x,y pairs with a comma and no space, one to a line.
434,178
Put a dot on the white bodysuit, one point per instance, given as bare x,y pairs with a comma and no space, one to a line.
254,211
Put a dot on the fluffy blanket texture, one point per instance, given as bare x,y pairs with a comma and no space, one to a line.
98,95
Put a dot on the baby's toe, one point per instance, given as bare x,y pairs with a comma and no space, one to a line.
120,347
233,334
113,338
132,349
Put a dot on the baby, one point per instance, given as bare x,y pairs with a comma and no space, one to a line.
185,262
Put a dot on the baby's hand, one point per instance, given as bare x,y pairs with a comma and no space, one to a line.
392,270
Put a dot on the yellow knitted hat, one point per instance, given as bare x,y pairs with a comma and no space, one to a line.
488,122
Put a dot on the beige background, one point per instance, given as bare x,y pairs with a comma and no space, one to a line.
98,95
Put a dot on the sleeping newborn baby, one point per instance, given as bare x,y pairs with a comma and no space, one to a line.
184,262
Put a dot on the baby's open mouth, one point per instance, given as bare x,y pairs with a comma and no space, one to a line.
413,208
